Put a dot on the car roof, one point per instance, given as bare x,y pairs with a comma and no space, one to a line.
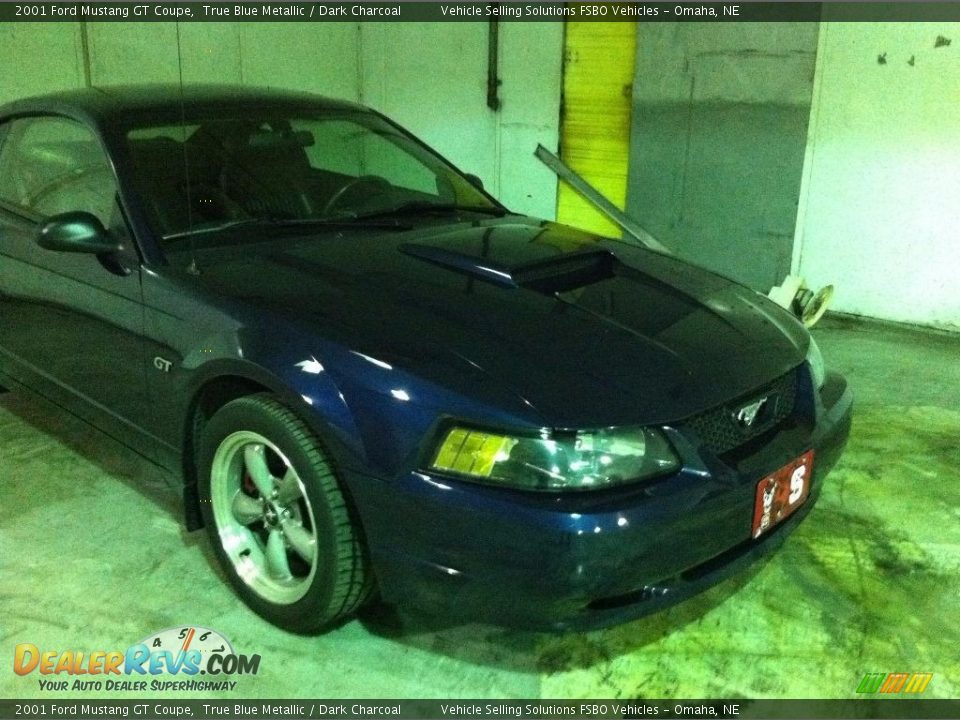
112,102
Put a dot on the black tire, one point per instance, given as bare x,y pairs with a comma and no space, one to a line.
325,585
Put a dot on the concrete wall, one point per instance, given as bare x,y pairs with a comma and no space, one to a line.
430,77
880,206
53,53
719,128
318,57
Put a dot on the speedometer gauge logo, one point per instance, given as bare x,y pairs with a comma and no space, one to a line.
205,641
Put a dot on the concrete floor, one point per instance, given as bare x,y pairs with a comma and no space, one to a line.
92,556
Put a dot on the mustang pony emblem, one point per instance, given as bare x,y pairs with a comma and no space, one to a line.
746,415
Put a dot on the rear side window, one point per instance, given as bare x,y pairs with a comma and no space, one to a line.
50,165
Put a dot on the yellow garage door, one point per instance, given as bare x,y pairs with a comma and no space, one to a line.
595,124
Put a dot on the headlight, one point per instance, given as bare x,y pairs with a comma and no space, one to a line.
815,361
556,461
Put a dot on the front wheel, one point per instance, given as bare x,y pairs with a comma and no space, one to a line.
279,522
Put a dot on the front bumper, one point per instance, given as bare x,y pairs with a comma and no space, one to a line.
582,560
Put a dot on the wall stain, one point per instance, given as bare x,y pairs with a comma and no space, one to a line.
754,53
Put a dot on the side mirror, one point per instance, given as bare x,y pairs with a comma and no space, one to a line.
78,232
474,180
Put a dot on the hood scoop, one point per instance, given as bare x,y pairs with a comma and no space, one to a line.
552,275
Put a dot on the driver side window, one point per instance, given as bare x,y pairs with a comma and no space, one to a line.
53,165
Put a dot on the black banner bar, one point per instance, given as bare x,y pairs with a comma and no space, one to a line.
439,11
894,708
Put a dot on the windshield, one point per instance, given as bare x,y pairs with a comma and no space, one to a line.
278,166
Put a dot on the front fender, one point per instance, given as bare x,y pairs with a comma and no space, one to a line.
313,396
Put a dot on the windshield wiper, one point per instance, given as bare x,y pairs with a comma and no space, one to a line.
422,207
347,222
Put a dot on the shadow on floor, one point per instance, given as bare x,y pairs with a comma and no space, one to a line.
112,457
543,652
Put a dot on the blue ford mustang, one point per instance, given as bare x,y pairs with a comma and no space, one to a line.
373,377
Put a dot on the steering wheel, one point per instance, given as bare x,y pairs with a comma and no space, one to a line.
374,184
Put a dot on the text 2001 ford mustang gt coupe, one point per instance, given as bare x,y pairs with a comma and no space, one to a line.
373,375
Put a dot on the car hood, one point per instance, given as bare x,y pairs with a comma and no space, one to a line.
588,332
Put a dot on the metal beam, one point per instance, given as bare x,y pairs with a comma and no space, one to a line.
588,191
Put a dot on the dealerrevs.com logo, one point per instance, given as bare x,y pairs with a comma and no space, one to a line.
180,652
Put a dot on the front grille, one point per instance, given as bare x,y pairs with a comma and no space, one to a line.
718,428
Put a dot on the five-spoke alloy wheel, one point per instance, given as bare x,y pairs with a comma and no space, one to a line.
264,519
277,516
